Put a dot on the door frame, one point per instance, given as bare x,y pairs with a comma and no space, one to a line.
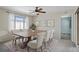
60,26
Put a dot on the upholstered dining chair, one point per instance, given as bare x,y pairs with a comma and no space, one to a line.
52,34
15,38
36,44
47,38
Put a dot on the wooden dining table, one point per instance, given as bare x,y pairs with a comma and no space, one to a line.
27,34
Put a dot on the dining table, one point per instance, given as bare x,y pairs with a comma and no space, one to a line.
27,34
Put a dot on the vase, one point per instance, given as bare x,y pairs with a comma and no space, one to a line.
33,30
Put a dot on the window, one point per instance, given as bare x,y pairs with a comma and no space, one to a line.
18,22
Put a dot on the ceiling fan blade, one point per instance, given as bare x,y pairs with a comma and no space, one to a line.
42,12
40,9
37,11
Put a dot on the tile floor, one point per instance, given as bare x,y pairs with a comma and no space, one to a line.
54,46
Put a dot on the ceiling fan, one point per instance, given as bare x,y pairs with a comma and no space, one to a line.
38,10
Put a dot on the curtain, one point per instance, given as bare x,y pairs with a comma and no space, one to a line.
11,21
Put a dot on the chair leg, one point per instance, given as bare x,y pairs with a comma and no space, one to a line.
27,49
45,44
22,40
19,40
41,49
15,42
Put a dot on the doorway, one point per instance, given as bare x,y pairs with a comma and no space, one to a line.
66,27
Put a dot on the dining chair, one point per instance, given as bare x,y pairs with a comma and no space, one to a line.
36,44
52,34
15,38
47,38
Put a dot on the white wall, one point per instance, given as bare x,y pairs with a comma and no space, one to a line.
44,18
3,20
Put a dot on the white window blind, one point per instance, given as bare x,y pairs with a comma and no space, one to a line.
18,22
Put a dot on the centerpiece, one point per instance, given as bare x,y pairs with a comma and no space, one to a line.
33,27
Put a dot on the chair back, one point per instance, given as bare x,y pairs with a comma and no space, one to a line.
52,34
40,39
47,36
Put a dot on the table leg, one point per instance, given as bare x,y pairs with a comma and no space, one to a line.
29,39
22,39
15,42
25,43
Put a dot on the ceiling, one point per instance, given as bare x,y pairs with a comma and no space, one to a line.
48,9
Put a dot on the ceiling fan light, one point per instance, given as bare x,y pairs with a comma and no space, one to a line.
37,13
